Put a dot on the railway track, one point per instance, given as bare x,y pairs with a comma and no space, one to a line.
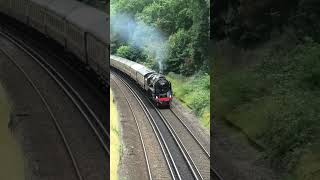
196,148
193,150
101,132
139,130
93,121
57,56
98,128
197,154
164,148
182,164
69,61
55,120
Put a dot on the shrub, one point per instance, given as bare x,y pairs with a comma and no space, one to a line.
195,93
275,102
129,52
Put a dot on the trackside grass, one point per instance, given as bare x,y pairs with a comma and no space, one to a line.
115,143
275,101
193,92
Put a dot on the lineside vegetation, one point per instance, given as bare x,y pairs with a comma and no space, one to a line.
169,36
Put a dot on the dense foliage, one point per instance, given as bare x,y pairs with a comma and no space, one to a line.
276,103
130,52
194,92
267,78
171,35
184,24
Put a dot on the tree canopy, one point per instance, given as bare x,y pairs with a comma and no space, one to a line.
184,24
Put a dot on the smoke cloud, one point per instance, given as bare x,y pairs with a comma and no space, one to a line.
140,35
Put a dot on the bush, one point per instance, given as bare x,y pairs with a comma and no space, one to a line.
195,93
275,102
129,52
178,52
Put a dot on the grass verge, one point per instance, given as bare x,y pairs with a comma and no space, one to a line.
193,92
115,143
275,101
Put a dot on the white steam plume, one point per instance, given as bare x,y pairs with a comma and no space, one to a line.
140,35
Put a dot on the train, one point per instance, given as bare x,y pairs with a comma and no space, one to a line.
84,31
80,29
157,87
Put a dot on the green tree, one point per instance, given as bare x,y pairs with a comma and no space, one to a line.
167,15
185,24
130,6
130,52
179,52
200,35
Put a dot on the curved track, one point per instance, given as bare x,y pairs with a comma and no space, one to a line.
94,122
197,154
55,120
192,149
140,135
74,96
164,148
177,149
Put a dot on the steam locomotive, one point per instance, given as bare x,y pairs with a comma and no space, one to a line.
156,85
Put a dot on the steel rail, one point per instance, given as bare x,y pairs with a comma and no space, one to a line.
138,127
214,171
190,132
184,151
155,128
187,156
56,122
60,81
182,148
63,61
